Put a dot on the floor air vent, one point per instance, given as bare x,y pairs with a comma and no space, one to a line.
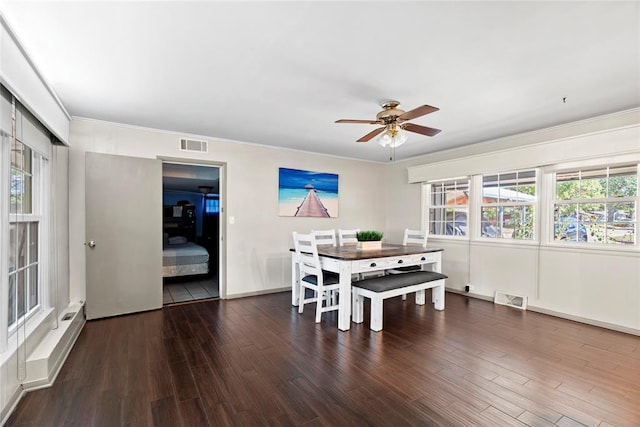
517,301
199,146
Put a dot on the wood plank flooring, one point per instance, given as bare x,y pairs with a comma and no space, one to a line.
257,362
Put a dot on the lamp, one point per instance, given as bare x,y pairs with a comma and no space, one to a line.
205,189
392,137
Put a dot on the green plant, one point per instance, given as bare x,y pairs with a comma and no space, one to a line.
369,236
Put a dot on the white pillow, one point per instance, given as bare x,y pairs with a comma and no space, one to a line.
177,240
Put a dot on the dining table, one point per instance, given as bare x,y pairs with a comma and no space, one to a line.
348,260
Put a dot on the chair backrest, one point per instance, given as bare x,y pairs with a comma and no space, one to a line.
347,237
325,237
415,238
307,254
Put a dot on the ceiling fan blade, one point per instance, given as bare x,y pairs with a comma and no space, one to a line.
371,134
424,130
370,122
417,112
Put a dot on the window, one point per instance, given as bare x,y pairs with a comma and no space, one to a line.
211,205
24,147
596,205
24,224
448,208
508,205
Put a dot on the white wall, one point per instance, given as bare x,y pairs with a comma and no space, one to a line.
258,258
601,287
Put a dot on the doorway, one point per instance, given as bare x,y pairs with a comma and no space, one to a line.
191,232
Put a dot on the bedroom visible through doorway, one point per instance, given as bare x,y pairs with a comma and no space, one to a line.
191,232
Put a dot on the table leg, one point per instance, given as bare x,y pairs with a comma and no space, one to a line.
344,302
295,280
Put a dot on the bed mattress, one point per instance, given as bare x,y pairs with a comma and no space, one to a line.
184,270
184,254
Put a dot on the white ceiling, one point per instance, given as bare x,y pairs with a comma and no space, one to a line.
281,73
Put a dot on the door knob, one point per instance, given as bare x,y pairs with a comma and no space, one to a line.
91,244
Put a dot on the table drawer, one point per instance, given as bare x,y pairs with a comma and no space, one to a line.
376,264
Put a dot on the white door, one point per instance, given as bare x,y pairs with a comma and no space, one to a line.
123,197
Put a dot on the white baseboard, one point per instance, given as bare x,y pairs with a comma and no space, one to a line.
262,292
469,294
11,405
587,321
561,315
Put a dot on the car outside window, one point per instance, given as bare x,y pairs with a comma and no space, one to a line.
508,205
596,206
448,208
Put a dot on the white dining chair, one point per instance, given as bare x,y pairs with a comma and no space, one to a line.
325,237
415,238
347,237
322,283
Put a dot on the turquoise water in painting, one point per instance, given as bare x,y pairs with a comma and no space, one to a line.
297,195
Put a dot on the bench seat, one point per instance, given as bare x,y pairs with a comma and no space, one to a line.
379,288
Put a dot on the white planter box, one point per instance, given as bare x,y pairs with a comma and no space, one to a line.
363,246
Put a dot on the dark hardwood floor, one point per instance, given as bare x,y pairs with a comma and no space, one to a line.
255,361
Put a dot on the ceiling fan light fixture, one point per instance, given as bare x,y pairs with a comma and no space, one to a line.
392,137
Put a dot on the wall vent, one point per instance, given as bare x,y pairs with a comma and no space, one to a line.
199,146
517,301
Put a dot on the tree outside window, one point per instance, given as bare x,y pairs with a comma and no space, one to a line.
597,205
449,204
508,205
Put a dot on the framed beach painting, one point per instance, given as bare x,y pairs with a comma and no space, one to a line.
307,193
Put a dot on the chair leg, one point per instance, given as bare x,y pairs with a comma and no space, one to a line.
301,295
319,297
376,314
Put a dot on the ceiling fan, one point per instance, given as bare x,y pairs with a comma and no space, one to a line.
392,119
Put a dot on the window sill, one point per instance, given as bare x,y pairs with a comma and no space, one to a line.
448,238
592,249
484,241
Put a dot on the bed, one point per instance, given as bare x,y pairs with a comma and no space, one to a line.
182,258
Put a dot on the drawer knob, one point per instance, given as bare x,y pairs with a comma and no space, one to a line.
423,259
400,261
373,264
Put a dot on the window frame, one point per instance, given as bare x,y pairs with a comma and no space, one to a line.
428,205
480,205
40,214
579,167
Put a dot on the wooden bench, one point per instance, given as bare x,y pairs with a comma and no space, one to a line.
379,288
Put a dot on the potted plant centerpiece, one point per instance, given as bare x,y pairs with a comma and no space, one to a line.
369,239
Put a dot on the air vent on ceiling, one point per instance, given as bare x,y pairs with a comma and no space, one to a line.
187,144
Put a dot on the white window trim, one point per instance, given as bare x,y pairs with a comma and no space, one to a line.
41,197
550,174
426,209
4,241
477,220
